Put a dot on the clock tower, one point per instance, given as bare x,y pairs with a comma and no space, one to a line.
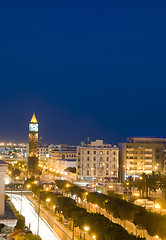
33,147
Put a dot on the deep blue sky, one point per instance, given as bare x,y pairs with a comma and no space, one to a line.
87,68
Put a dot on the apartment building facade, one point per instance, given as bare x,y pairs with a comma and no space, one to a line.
97,161
142,155
44,151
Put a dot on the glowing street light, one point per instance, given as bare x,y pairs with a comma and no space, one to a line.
94,237
48,200
86,229
28,186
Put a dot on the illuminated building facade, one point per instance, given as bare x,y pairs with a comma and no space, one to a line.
15,151
44,151
97,161
62,157
142,155
33,147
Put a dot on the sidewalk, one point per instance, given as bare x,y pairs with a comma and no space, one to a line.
129,226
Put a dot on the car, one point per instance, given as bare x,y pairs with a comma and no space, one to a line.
149,205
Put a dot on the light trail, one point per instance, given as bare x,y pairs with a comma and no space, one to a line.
31,218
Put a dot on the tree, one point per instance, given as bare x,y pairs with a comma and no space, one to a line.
153,182
163,186
27,236
20,221
142,184
70,169
15,172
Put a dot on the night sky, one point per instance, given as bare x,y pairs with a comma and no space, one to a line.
86,68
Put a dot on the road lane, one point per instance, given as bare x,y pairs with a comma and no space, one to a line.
31,218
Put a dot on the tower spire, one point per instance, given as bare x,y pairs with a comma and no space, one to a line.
33,120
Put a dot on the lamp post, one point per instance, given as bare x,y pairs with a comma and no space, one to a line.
86,229
66,188
38,214
21,202
47,200
73,229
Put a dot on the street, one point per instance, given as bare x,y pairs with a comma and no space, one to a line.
31,217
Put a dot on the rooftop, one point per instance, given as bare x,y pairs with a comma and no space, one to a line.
97,144
147,139
8,212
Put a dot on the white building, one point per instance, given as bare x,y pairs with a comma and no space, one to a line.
97,161
62,157
7,216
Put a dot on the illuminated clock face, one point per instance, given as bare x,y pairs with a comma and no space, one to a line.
33,127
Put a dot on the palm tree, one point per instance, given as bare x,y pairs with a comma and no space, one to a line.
142,184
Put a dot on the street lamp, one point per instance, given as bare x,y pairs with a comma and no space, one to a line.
86,229
54,209
96,206
28,186
73,228
21,202
38,214
94,237
48,200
